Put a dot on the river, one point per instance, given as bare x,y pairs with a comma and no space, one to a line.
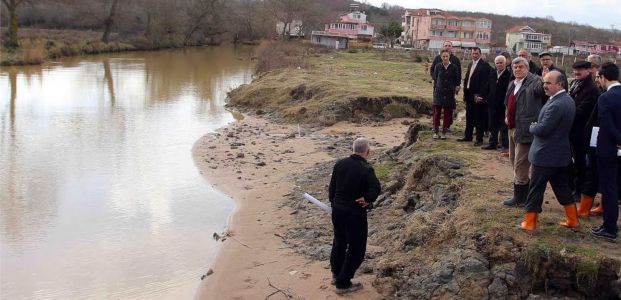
99,194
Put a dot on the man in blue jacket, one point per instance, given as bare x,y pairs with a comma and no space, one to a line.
608,145
550,153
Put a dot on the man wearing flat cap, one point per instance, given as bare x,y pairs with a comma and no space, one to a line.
545,58
584,91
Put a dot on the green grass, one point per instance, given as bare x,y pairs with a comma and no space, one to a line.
383,170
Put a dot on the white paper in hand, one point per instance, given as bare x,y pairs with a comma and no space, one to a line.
317,202
594,134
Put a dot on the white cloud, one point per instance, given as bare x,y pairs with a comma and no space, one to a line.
597,13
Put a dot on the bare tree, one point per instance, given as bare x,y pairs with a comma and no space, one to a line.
109,21
11,6
286,11
203,15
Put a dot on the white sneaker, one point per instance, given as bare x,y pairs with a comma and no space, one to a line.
442,136
435,136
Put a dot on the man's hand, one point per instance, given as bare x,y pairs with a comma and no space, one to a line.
362,202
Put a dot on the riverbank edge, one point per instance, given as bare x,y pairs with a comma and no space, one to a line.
257,228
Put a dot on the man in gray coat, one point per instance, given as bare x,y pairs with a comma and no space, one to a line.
525,96
550,153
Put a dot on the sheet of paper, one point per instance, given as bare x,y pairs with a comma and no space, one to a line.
594,133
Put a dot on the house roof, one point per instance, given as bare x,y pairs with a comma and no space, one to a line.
520,28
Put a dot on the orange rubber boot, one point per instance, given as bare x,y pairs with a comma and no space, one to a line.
598,210
530,221
586,202
572,216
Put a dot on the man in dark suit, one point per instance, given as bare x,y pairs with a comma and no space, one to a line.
608,146
495,96
584,91
550,153
353,189
545,58
475,84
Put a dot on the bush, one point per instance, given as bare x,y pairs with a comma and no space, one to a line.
352,50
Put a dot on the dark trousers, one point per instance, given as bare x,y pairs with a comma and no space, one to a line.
349,244
497,126
447,118
476,117
590,185
609,187
558,179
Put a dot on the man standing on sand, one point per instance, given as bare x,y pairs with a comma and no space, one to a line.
550,153
353,189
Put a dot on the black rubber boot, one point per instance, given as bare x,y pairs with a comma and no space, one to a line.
520,191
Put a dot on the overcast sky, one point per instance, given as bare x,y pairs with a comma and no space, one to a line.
597,13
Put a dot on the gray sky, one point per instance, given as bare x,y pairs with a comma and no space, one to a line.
597,13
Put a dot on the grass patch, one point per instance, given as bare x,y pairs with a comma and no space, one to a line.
383,170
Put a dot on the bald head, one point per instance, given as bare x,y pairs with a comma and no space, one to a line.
500,62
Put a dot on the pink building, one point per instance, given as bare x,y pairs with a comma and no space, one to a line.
350,27
595,48
430,28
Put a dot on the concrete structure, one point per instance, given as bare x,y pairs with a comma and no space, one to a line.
429,28
595,48
293,29
352,26
523,36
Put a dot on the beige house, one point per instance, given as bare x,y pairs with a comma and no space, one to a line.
523,36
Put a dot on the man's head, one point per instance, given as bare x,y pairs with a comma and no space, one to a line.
445,55
553,82
448,45
546,59
581,69
476,53
608,74
524,54
596,62
520,67
507,56
361,147
500,62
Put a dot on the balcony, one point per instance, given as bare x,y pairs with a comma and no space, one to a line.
437,27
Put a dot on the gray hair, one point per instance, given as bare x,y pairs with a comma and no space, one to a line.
361,146
519,60
595,60
500,57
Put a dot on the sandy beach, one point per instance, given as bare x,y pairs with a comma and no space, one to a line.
253,161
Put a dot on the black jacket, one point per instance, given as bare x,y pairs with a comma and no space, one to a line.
352,178
446,80
438,60
478,80
533,68
497,89
585,94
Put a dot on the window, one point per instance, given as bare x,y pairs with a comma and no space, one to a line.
435,33
468,35
453,23
450,34
318,40
482,35
438,22
364,27
467,24
483,24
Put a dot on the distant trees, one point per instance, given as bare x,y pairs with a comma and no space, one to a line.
109,21
11,6
391,31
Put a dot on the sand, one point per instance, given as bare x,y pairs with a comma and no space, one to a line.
253,161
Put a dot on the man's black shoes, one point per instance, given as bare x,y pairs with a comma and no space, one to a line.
477,144
603,234
489,147
352,288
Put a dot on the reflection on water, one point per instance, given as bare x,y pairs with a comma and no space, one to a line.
99,196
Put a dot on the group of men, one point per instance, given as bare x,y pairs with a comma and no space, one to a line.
565,135
546,128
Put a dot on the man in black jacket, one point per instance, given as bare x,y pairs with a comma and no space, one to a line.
532,67
584,91
498,82
545,58
353,189
475,83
